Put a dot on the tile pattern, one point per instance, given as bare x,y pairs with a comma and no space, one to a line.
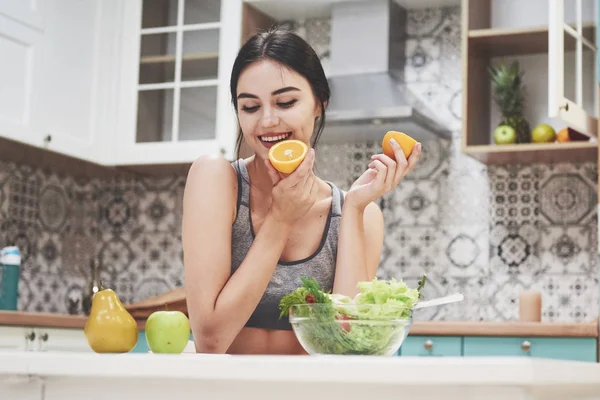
486,232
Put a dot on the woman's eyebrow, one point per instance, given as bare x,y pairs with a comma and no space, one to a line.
274,93
285,89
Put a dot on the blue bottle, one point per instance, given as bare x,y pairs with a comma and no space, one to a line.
10,263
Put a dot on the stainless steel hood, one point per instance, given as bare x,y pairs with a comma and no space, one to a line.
369,96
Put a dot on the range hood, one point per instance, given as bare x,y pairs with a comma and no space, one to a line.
368,96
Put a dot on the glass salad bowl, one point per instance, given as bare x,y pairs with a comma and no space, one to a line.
350,329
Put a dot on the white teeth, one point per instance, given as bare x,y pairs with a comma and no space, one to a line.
275,138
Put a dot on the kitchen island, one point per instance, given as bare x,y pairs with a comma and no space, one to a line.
90,376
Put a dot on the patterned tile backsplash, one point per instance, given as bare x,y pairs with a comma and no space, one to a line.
487,232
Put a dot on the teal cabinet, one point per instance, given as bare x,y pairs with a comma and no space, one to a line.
432,346
577,349
142,345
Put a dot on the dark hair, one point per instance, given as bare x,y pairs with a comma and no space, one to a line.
290,50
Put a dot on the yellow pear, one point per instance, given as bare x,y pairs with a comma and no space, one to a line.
110,328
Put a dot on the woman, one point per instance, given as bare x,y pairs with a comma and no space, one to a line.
250,233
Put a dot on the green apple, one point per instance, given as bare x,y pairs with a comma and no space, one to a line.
543,133
505,134
167,331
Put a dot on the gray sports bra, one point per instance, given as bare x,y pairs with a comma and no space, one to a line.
286,278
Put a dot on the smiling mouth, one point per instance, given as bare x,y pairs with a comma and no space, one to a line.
275,139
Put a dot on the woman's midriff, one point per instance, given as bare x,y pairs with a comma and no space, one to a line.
264,341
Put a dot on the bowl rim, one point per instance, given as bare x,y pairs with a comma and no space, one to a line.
292,317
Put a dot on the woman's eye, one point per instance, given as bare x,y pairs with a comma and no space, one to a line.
250,109
287,104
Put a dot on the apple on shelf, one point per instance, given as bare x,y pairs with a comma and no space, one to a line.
505,134
167,332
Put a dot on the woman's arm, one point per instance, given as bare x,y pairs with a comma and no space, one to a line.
219,304
359,247
362,227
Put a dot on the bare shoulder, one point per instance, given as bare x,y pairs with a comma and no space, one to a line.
211,167
211,181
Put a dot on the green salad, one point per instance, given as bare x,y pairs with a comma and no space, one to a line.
374,322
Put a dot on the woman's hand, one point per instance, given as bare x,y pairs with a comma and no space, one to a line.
293,194
383,175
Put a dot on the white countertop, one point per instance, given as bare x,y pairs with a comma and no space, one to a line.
73,376
363,369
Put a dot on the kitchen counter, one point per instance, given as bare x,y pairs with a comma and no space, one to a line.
424,328
46,320
69,375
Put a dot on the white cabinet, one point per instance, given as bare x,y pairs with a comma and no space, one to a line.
51,92
17,338
176,60
120,82
19,51
58,339
573,64
68,92
43,339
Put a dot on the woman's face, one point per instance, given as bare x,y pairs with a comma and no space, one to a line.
274,103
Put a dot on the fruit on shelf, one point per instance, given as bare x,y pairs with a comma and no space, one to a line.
509,95
563,136
406,143
543,133
571,135
110,328
505,134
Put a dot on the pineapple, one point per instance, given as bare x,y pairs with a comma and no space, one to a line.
510,98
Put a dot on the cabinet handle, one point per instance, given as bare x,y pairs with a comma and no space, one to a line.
223,151
30,336
44,337
428,345
526,346
48,139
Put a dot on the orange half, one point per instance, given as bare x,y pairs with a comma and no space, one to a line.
406,143
287,155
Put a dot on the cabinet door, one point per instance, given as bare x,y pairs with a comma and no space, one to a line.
19,47
176,57
17,338
572,58
55,339
432,346
576,349
30,13
68,88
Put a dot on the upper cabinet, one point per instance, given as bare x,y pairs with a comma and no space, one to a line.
21,30
554,45
572,86
121,82
176,60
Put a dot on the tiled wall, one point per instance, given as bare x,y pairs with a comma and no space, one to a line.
488,232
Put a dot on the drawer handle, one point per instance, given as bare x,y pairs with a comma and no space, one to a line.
526,346
428,345
44,337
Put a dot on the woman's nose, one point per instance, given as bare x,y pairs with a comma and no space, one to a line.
269,119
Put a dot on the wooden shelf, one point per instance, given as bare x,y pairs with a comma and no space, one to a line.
516,41
530,153
171,58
